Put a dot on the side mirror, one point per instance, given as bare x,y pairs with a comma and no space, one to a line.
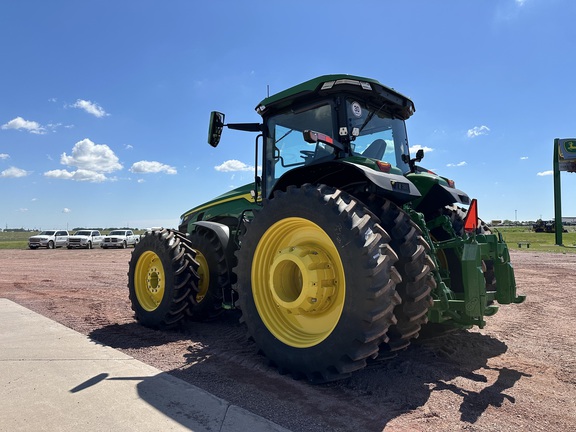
215,128
412,162
419,155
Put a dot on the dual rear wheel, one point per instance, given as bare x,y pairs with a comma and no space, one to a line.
319,286
324,282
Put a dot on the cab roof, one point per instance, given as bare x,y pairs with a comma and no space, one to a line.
326,84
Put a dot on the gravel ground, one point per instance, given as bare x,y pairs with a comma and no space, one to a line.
519,373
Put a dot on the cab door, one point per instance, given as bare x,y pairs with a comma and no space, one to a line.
60,238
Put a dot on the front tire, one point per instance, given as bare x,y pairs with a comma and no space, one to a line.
161,278
316,283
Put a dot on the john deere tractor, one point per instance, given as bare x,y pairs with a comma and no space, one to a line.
341,249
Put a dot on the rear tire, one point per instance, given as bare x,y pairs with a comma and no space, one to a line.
161,279
213,275
415,267
316,283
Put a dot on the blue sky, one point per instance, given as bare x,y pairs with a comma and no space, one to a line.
105,104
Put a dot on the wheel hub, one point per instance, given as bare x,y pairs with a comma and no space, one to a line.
149,281
153,280
302,280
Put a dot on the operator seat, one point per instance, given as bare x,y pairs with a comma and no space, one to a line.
375,150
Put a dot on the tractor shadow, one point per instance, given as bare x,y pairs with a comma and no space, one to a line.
230,368
456,361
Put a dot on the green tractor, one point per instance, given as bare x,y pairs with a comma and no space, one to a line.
342,248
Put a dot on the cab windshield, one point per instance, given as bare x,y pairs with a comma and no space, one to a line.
376,135
373,133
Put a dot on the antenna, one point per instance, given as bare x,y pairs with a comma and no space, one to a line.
267,90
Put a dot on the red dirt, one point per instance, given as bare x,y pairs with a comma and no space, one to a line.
519,373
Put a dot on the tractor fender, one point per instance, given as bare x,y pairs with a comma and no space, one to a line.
342,174
393,183
221,230
439,196
458,196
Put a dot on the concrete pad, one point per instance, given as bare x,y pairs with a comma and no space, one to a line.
55,379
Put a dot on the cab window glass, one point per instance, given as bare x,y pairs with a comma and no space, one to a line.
379,135
287,148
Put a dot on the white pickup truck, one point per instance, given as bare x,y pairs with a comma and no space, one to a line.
120,239
85,239
49,239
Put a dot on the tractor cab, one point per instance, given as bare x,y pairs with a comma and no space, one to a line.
329,119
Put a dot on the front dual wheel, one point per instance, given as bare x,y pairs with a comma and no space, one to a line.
316,282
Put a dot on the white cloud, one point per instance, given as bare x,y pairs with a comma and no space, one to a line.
152,167
459,164
88,175
524,158
59,174
4,156
520,2
78,175
22,210
66,210
19,123
415,148
90,107
92,157
477,131
13,172
128,147
545,173
91,160
233,165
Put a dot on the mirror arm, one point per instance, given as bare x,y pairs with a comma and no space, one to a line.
247,127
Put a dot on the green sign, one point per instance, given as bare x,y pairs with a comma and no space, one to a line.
567,148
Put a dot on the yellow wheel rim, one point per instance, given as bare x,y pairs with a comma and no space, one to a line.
149,281
204,275
298,282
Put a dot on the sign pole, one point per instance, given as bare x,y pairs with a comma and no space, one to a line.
557,195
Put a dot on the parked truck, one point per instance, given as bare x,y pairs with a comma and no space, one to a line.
120,239
84,239
342,248
48,239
